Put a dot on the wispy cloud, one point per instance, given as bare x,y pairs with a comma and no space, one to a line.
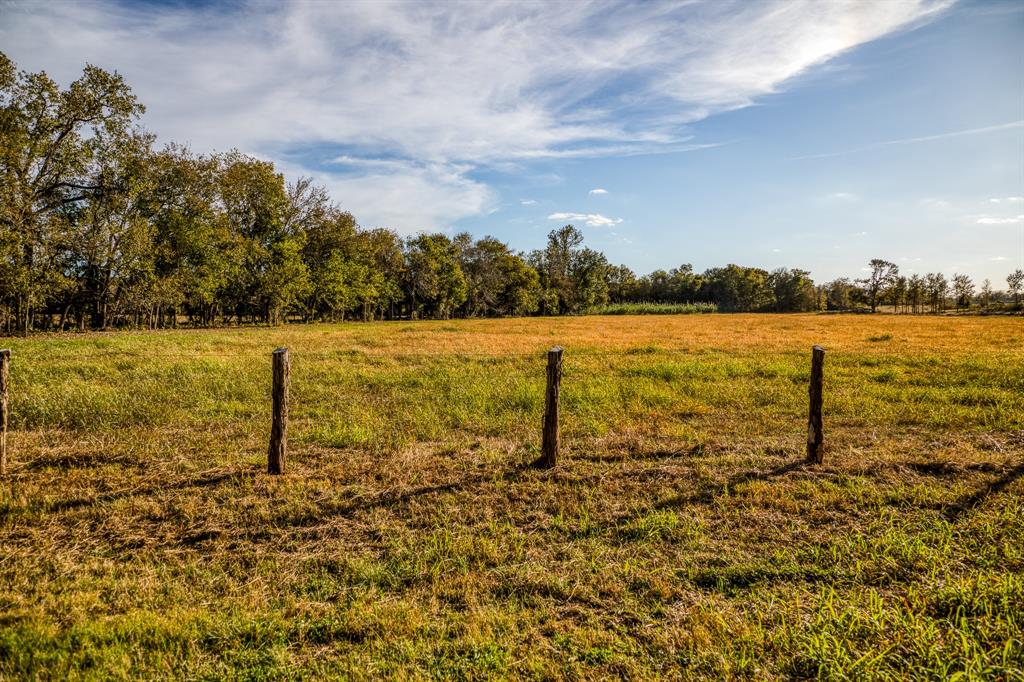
598,190
914,140
1000,220
590,219
417,96
528,202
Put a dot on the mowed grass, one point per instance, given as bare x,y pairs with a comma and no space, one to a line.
681,536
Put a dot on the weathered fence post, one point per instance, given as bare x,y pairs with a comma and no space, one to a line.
279,428
815,433
549,445
5,369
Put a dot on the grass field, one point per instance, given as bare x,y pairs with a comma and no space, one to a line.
680,537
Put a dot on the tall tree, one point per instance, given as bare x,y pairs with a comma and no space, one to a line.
1015,282
963,290
48,138
883,274
434,277
986,293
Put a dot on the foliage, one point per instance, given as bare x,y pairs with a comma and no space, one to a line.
652,308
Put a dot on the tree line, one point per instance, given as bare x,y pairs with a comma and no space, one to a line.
99,228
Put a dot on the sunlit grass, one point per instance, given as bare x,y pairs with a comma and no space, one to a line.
679,537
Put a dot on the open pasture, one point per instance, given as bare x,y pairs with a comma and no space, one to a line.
681,535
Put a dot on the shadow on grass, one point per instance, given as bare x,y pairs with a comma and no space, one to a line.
705,495
202,482
961,507
80,461
632,454
709,493
513,473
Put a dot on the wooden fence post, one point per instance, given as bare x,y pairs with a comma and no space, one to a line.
279,428
815,433
5,365
549,445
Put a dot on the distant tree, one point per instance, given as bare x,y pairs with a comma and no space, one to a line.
268,276
554,265
915,292
738,289
883,274
986,294
898,293
938,289
496,279
683,284
339,277
191,240
1015,282
622,283
793,289
839,294
963,290
588,274
573,278
434,277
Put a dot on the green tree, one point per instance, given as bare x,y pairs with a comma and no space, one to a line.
1015,282
192,241
916,289
963,290
883,275
436,285
108,237
735,288
270,277
48,139
793,290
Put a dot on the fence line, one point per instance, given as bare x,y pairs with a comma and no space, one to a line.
550,439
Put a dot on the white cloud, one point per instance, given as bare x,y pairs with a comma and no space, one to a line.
1009,200
528,202
407,197
842,196
419,95
590,219
598,190
998,258
996,220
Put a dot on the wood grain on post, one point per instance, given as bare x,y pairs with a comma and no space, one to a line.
279,428
5,373
549,445
815,432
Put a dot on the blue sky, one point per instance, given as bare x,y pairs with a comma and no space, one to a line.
805,134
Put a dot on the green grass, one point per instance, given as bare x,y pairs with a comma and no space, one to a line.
681,535
652,308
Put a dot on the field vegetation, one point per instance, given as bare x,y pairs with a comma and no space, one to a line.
652,308
681,535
